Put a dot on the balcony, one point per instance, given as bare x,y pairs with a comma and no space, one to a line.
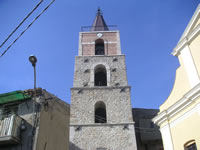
10,130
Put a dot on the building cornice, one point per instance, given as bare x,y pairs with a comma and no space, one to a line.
103,124
100,87
185,101
93,56
186,41
191,23
113,31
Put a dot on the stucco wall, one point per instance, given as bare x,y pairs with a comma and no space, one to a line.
195,51
54,126
181,86
185,127
24,111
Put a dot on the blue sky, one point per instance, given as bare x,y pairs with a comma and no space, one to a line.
149,31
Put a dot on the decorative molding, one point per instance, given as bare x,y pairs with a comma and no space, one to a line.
102,124
94,32
186,41
111,55
186,115
188,34
185,101
179,47
166,136
191,23
88,43
119,44
189,66
100,87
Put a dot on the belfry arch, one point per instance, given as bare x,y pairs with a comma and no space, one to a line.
99,47
100,112
100,76
102,70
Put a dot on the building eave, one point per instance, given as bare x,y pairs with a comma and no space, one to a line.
186,41
191,23
181,104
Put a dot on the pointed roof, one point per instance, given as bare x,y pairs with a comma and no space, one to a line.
99,22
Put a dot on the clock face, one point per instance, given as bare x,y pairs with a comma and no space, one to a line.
99,35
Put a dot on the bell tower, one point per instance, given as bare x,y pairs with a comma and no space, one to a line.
101,112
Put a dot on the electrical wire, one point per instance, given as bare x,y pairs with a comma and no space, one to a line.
138,129
27,27
8,111
99,118
21,23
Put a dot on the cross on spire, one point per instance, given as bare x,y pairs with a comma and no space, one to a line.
99,22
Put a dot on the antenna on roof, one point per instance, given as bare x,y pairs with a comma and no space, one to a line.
99,6
99,12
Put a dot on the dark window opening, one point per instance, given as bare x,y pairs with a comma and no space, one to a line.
100,113
8,110
99,47
191,147
100,76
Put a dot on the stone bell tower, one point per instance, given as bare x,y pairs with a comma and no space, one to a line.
101,112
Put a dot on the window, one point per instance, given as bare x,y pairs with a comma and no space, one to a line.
100,76
9,109
100,112
99,47
191,145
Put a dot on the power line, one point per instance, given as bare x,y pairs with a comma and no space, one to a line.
21,23
7,110
138,129
28,27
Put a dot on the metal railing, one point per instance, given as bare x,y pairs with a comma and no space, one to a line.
98,28
10,126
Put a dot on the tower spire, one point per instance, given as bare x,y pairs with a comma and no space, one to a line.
99,22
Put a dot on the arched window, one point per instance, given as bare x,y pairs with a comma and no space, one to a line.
190,145
100,76
100,112
99,47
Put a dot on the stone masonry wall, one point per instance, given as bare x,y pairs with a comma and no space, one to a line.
84,69
118,132
104,136
118,105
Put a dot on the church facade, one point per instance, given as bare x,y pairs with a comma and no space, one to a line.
101,112
179,116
